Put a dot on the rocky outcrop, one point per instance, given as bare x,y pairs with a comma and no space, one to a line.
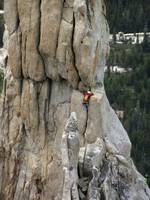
104,172
58,49
58,40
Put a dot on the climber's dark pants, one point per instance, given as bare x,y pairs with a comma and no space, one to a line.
86,104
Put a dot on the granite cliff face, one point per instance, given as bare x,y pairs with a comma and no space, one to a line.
56,50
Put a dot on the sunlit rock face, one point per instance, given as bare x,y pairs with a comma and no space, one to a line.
58,49
58,40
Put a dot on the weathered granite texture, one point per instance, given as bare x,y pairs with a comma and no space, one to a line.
57,49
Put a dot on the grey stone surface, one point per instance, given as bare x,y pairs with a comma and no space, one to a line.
57,49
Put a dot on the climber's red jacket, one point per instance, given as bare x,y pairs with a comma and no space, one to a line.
86,96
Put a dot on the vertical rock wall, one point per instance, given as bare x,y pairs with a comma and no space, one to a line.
57,49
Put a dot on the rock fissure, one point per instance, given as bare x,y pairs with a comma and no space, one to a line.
89,12
21,57
61,18
38,108
38,44
23,54
86,122
8,119
73,51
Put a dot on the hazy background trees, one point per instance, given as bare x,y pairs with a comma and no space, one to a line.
130,91
128,15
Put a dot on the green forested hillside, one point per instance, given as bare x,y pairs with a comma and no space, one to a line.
1,4
130,92
128,15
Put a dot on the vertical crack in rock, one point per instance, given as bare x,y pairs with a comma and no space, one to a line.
17,17
38,44
86,124
73,51
65,53
21,71
88,3
38,88
8,125
4,97
2,168
23,53
18,20
57,39
46,103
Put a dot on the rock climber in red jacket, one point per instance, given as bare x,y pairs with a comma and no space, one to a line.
86,97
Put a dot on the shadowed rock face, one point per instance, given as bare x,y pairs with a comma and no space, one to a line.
56,50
